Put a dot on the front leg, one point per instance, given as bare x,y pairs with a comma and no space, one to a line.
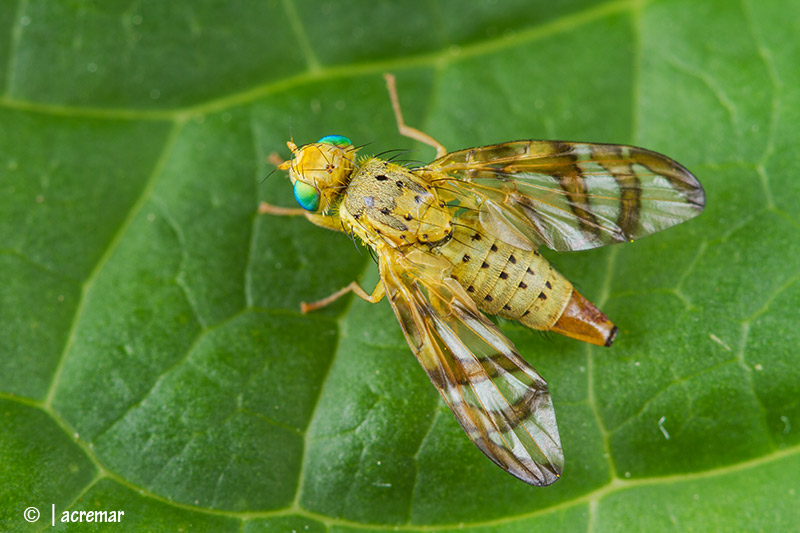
268,209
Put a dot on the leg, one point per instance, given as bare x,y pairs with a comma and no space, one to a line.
375,297
408,131
268,209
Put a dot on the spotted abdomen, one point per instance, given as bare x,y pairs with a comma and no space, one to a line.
505,280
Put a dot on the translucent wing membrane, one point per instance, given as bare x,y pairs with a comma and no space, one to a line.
500,401
570,196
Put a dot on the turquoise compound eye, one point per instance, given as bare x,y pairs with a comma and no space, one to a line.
337,140
306,195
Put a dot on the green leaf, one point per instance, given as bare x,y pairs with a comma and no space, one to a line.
152,354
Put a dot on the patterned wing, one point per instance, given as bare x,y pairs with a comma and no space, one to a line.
499,400
569,196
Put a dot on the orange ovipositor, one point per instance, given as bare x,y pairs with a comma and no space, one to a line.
583,321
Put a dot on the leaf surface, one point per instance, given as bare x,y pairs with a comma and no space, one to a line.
152,355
